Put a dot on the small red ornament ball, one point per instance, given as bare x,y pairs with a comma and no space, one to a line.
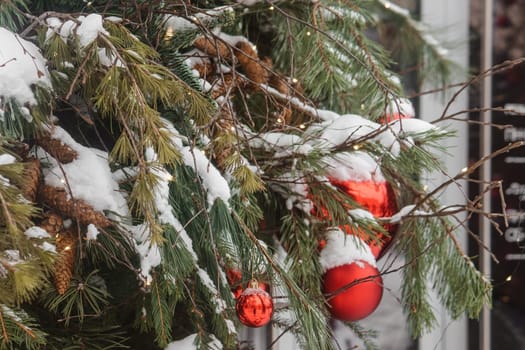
254,306
357,301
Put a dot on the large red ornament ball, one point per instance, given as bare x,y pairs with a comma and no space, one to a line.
359,300
254,306
376,197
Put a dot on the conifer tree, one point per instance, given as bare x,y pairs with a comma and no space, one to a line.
162,162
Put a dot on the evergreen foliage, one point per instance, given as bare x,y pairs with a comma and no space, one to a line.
219,155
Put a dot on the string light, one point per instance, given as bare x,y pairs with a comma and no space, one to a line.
63,181
279,120
169,33
508,279
271,8
387,5
67,247
356,147
302,126
294,80
464,170
308,33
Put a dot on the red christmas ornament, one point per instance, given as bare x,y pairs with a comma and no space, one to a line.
234,276
398,109
237,291
358,300
254,306
321,243
379,199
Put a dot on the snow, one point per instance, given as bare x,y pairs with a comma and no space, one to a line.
48,247
283,144
89,29
149,253
21,66
232,40
6,159
215,184
188,343
36,232
402,106
13,257
149,258
357,166
177,24
337,131
164,210
6,310
248,2
342,249
395,8
220,304
361,214
89,176
411,126
92,232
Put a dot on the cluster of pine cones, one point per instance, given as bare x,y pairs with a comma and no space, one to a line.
59,205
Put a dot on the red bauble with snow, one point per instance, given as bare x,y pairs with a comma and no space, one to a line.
353,290
398,109
254,306
378,198
351,281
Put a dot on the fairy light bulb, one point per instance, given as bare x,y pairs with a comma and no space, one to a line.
169,33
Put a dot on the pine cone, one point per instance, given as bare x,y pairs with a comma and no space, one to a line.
213,48
279,84
52,223
250,63
65,262
63,153
226,85
205,69
59,200
32,179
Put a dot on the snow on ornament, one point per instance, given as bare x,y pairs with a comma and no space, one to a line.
254,306
360,177
351,280
400,108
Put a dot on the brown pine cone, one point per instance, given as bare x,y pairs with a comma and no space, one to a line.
77,209
205,69
279,84
52,223
63,153
65,262
250,63
227,85
213,47
32,179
